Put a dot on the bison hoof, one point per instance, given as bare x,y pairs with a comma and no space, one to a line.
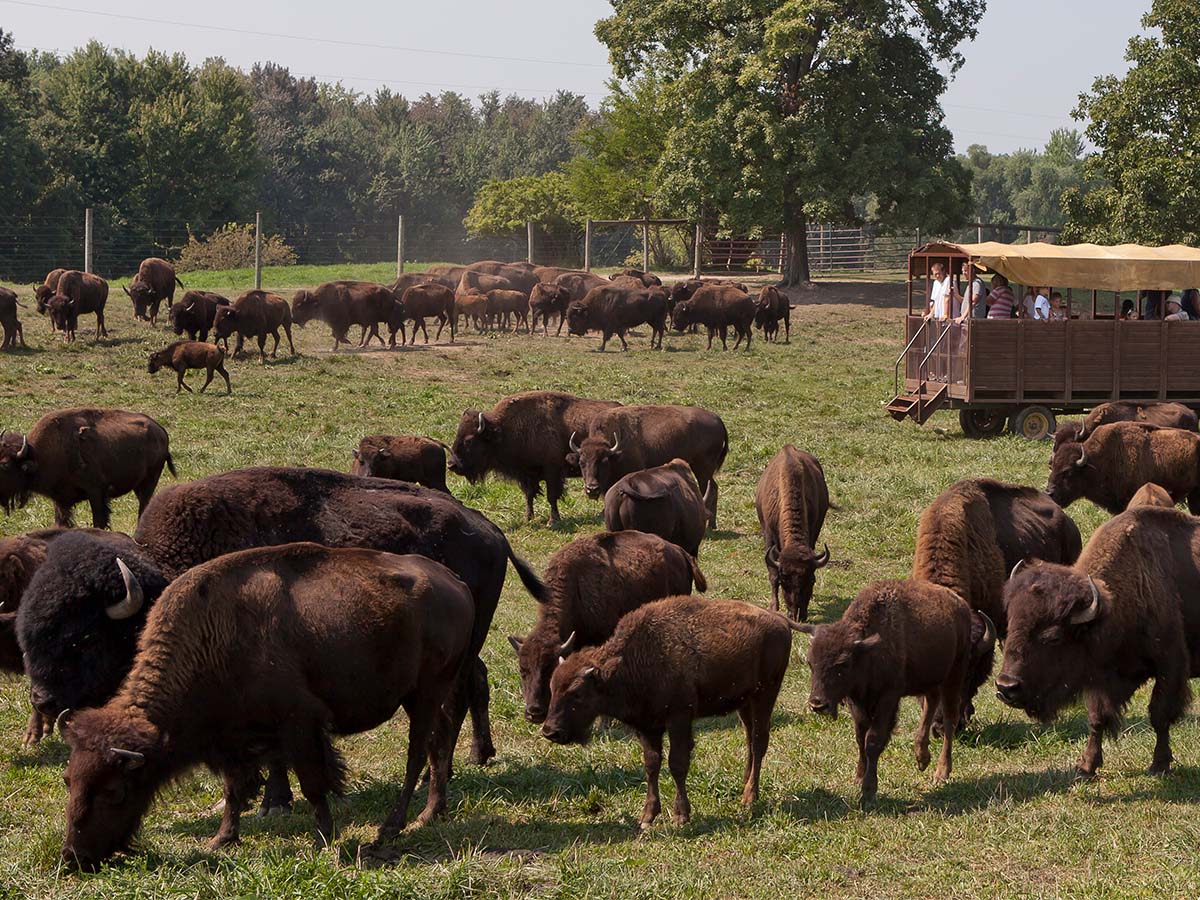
481,756
1082,774
222,840
281,809
1159,768
922,760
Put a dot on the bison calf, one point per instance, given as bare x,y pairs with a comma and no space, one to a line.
403,457
1151,494
663,500
896,639
8,319
183,355
668,663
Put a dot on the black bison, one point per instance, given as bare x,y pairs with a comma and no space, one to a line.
896,639
1115,460
526,438
590,584
78,293
1151,494
340,304
406,457
668,663
546,300
255,314
792,500
74,455
511,307
663,500
1128,611
718,308
183,355
630,438
328,641
422,301
155,282
774,306
615,308
188,524
8,319
194,314
47,289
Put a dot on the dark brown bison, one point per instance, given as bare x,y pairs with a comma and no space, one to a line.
74,455
683,290
550,274
718,308
340,304
577,284
1149,412
328,641
183,355
525,438
1128,611
431,299
669,663
590,584
47,289
772,307
1151,494
646,279
792,500
1115,460
408,279
546,300
615,308
255,314
454,273
896,639
194,314
662,500
511,307
482,283
20,557
405,457
78,293
630,438
155,282
8,319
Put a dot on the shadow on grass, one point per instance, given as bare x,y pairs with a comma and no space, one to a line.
49,751
19,351
723,535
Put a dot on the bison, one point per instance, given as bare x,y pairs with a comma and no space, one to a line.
662,500
155,282
792,500
510,306
183,355
474,306
546,300
194,314
896,639
1148,412
78,293
645,436
327,641
525,438
340,304
1151,494
773,305
614,309
47,289
717,308
74,455
668,663
1115,460
577,284
424,300
9,321
646,279
1128,611
420,460
255,314
590,584
482,283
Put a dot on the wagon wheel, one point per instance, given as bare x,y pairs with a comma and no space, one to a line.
1034,423
982,423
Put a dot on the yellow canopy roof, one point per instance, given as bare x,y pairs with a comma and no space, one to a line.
1124,267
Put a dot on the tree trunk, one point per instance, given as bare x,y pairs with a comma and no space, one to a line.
795,268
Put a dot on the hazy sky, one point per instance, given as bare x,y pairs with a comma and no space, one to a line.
1021,80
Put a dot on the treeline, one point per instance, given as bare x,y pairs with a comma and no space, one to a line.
159,147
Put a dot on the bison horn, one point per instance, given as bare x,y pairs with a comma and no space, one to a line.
568,646
1013,573
63,720
571,443
989,628
126,290
773,555
24,451
133,595
616,443
135,758
823,559
1093,609
1082,461
190,306
482,424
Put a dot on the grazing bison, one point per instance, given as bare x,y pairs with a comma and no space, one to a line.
645,436
792,500
424,300
420,460
74,455
20,557
510,306
8,319
668,663
255,314
773,306
546,300
194,314
183,355
896,639
525,438
78,293
155,282
47,289
1115,460
340,304
718,308
327,641
1151,494
590,584
1128,611
662,500
1148,412
188,524
615,308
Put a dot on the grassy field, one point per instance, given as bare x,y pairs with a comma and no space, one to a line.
552,821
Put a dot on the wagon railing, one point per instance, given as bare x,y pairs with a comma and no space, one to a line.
903,355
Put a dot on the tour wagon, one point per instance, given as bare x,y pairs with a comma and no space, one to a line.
1020,371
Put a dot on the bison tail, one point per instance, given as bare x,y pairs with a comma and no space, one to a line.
180,283
171,465
697,575
529,578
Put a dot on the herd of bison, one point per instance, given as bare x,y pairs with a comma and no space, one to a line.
258,612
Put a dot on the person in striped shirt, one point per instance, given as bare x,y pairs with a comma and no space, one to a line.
1000,300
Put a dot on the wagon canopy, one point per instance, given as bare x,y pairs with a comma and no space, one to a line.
1124,267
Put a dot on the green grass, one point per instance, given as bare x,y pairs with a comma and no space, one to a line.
561,821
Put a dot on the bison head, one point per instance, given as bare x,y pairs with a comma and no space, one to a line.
683,315
42,294
598,462
1070,474
472,455
537,657
305,307
225,321
18,470
142,296
577,319
1053,612
365,457
1069,433
116,766
837,655
575,698
182,315
62,311
157,360
794,571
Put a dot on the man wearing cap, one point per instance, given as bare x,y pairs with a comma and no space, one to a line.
974,301
1175,311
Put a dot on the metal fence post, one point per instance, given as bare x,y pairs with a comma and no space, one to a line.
699,242
87,239
529,242
587,246
258,251
399,246
645,245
